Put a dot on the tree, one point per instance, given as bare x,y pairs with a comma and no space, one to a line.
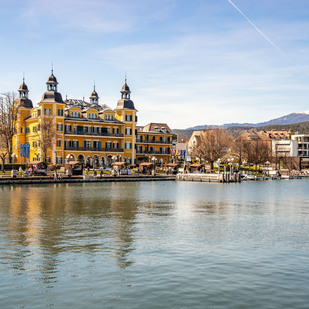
257,151
239,149
212,145
47,135
8,119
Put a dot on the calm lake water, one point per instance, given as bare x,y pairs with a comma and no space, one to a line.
155,245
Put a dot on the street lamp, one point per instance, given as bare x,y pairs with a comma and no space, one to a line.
230,164
14,155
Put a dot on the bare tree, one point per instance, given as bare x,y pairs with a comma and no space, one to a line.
257,151
238,149
8,119
212,145
47,135
3,153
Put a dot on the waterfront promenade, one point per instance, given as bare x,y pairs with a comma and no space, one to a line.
8,180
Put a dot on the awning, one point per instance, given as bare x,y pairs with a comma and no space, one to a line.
35,162
172,164
196,165
145,164
74,162
119,163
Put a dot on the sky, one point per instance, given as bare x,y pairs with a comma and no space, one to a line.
187,62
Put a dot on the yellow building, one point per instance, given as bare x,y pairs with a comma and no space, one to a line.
76,130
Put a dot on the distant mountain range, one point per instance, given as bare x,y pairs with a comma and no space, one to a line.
288,119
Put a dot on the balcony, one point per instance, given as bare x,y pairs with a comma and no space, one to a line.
152,152
74,132
138,141
93,149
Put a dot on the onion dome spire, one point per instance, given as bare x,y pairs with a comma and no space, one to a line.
94,98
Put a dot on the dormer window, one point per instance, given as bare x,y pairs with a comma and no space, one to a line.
92,116
109,117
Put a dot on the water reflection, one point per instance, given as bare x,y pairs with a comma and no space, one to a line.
47,222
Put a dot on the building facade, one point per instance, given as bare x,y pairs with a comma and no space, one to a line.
60,130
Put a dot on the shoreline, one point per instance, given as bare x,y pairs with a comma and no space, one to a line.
81,179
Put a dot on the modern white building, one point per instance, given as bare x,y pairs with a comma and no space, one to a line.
297,147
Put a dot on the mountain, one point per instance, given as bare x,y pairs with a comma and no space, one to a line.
288,119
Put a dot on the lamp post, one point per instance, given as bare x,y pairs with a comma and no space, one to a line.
154,159
14,155
230,164
219,161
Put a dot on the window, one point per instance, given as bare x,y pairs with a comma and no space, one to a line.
47,111
108,145
27,130
128,118
116,145
59,143
108,117
39,112
128,131
60,112
21,130
92,116
128,145
59,160
34,144
75,114
34,129
59,127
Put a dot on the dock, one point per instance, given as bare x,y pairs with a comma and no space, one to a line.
222,177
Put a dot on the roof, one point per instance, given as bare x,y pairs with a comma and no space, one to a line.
196,165
52,96
264,135
156,127
94,94
119,163
145,164
23,102
125,88
52,79
125,103
23,86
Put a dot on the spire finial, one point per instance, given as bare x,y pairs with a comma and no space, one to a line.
52,68
125,77
94,85
23,77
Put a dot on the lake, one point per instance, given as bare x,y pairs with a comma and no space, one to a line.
155,245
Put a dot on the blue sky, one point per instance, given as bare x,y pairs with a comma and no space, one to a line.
187,62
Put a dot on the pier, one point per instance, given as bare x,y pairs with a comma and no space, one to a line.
222,177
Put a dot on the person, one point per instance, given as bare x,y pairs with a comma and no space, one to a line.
20,171
94,172
101,171
55,175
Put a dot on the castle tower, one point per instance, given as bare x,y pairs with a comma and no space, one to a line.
126,112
